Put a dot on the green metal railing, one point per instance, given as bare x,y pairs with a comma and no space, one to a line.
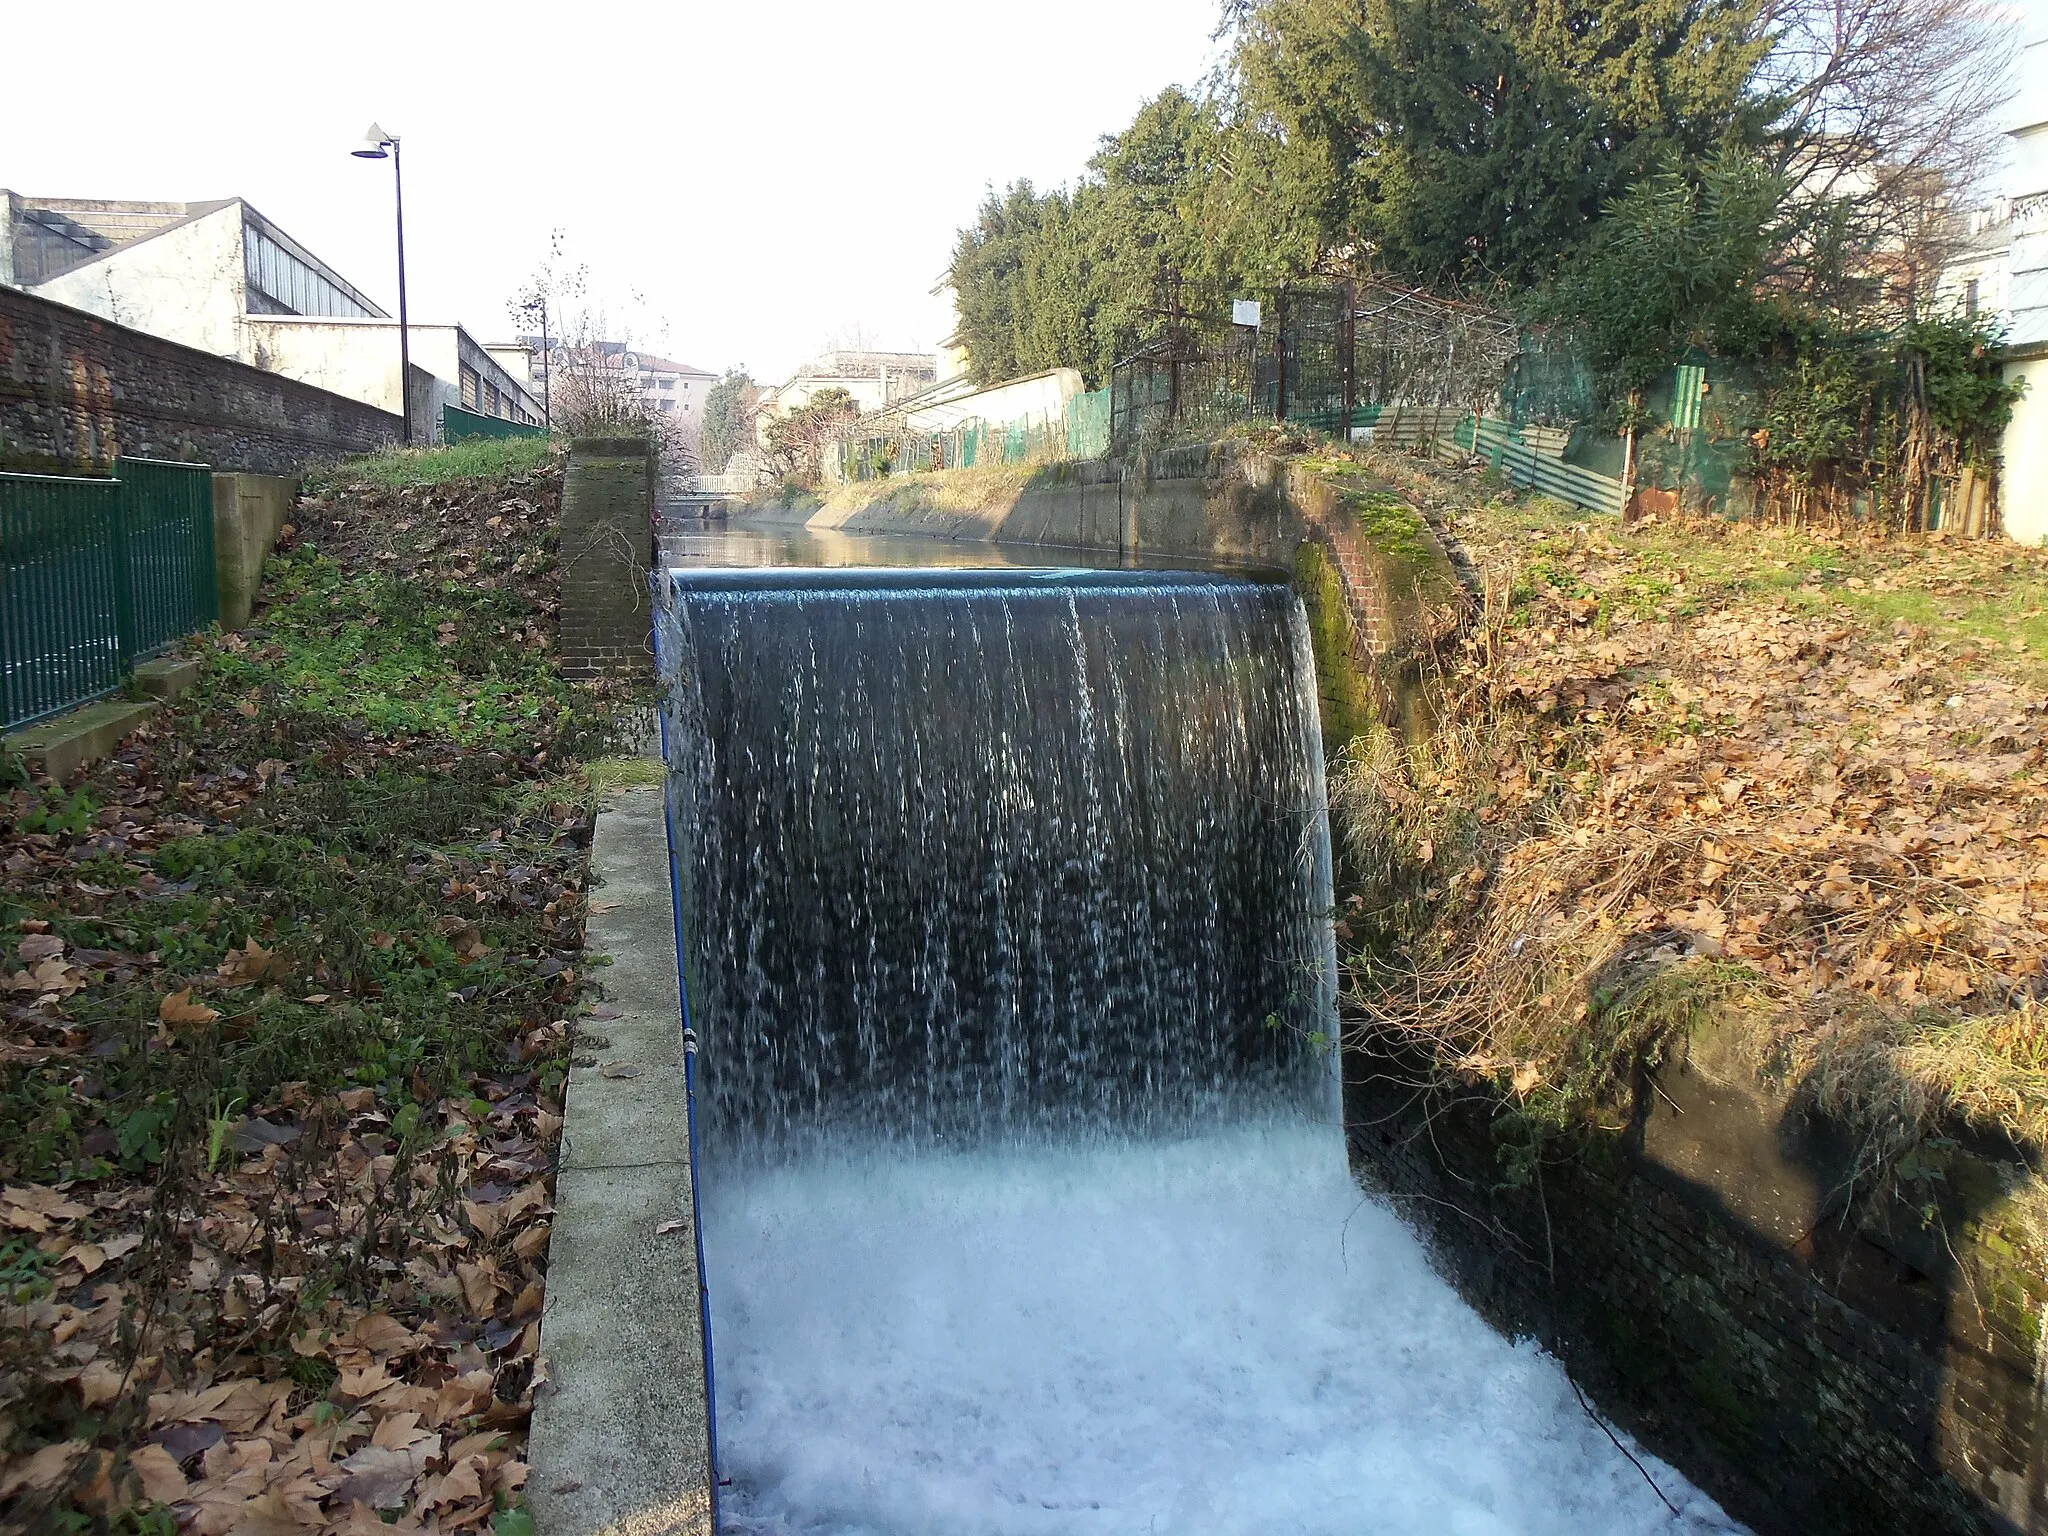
1500,445
457,424
95,574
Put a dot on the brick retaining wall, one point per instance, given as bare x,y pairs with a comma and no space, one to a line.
607,551
1818,1364
76,390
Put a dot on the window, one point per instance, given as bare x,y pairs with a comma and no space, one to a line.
289,285
470,386
1970,298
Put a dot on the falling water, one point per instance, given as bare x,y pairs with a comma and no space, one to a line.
1005,913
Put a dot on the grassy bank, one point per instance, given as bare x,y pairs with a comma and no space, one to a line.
1788,781
285,989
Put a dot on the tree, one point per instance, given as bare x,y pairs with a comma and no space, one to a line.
1885,118
728,423
1476,141
797,441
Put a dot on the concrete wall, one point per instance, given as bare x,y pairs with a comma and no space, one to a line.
75,391
2023,486
607,625
185,285
248,513
359,358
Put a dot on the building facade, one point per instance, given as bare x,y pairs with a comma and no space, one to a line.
2003,273
873,379
672,392
220,277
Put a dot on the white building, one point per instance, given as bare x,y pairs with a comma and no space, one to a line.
873,379
220,277
670,389
2005,273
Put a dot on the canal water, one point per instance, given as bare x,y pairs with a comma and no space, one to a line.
1004,894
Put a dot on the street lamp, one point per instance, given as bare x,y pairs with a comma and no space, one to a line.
377,144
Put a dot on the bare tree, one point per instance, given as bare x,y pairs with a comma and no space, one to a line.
591,368
1885,126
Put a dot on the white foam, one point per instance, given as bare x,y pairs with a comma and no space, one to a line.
1211,1337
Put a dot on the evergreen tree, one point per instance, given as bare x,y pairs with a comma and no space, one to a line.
728,420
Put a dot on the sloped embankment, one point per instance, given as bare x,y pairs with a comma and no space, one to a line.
285,988
1695,966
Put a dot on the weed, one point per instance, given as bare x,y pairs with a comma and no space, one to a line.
476,458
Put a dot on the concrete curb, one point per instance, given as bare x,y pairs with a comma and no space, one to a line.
621,1431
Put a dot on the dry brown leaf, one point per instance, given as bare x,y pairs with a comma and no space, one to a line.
459,1482
179,1011
44,1470
251,963
162,1481
384,1334
480,1285
382,1476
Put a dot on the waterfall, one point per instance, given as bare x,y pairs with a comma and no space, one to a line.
1004,904
969,855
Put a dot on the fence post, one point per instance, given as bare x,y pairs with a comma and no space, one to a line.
1280,348
124,592
1350,344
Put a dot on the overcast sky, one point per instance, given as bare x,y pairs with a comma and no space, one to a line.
766,176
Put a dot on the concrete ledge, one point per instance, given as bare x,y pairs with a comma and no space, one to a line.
621,1432
62,746
166,677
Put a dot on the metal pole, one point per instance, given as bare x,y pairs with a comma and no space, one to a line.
547,372
1350,344
1280,346
404,340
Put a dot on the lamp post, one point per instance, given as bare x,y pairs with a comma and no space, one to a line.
377,144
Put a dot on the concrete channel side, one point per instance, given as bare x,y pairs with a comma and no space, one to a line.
621,1430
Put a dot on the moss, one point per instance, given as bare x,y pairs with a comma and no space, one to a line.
1344,693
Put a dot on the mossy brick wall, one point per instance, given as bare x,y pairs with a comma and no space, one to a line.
1822,1356
76,390
607,551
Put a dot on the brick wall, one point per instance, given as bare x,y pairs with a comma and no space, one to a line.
607,551
76,390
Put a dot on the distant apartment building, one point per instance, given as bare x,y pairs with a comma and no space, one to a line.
220,277
670,389
873,379
2002,273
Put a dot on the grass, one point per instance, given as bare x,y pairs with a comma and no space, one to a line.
1549,887
475,458
1990,595
394,656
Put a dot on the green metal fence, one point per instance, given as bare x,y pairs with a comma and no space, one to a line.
95,574
1499,443
167,519
457,424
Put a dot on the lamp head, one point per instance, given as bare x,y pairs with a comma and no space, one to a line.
376,144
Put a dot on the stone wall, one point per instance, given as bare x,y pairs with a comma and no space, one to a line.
1823,1355
76,390
607,552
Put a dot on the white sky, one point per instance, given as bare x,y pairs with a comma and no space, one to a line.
765,176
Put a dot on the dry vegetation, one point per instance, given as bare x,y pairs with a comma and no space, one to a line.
1787,779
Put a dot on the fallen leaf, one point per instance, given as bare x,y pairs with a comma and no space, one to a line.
616,1069
178,1008
382,1477
162,1481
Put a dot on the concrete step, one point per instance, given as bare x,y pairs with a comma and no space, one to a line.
166,677
85,735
